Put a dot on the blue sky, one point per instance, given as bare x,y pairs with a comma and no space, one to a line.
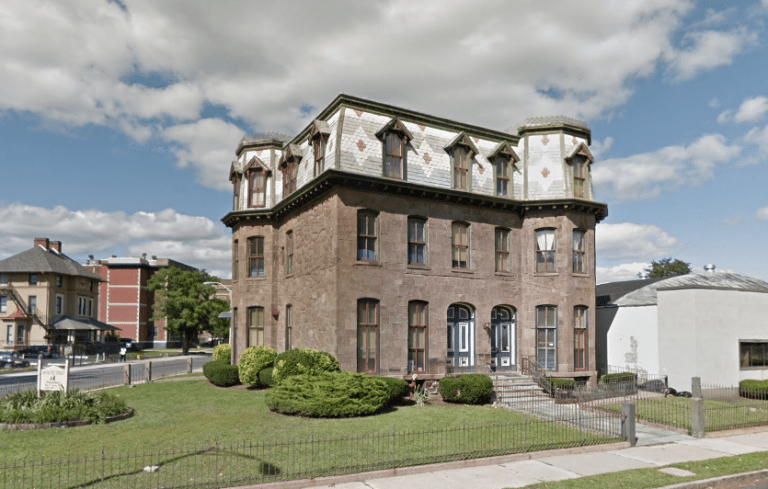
118,126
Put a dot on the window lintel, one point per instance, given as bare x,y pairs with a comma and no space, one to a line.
395,125
463,140
254,164
291,152
504,149
319,128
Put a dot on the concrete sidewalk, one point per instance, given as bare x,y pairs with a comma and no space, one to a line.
520,470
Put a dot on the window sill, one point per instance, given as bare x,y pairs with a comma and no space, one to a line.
503,274
545,274
754,368
581,274
289,275
417,267
368,263
256,279
459,270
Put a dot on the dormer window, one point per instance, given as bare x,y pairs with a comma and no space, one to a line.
580,159
503,158
257,181
462,150
394,137
290,168
319,133
236,203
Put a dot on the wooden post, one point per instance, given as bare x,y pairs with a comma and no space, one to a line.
149,371
127,368
189,365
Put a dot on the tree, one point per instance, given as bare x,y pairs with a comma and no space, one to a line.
187,305
667,267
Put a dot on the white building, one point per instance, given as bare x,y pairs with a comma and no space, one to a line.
712,325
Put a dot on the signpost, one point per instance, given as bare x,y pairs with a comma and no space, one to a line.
52,377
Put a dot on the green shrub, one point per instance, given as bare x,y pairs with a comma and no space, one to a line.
398,388
754,389
562,383
619,378
57,407
223,352
328,395
303,361
253,360
221,373
467,388
265,377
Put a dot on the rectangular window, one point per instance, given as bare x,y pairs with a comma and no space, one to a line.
236,203
393,155
32,304
417,241
502,250
319,155
255,326
289,252
81,306
290,171
235,260
20,334
579,178
753,354
501,171
258,188
256,256
579,251
417,337
580,318
90,307
288,326
366,236
9,337
460,245
59,304
3,303
367,335
32,279
545,250
59,280
546,337
461,168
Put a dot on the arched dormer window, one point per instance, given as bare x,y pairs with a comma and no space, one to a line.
257,172
579,160
394,137
289,166
503,159
319,132
462,151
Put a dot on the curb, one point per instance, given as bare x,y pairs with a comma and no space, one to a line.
756,476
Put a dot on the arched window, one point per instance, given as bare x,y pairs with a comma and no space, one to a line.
546,247
394,137
257,179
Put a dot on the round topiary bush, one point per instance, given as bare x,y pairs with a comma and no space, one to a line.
222,352
253,360
328,395
467,389
303,361
397,388
221,373
265,377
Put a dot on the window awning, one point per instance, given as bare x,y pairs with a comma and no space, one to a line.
225,315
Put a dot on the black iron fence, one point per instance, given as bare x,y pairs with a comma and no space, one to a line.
243,463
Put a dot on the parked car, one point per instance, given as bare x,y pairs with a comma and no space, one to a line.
48,351
7,360
130,344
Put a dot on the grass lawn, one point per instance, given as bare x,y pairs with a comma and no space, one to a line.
647,478
186,415
719,415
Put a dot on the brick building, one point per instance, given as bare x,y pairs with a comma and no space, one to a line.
125,301
47,297
405,243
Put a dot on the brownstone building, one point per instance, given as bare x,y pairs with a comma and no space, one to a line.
405,243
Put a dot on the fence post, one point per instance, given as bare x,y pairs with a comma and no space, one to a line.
149,371
189,365
127,368
628,423
698,419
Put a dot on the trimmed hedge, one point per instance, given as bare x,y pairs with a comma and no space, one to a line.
398,389
558,383
754,389
303,361
467,389
265,377
223,352
253,360
221,373
619,378
58,407
328,395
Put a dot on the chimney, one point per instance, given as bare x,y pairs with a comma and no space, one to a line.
709,267
143,256
56,245
41,242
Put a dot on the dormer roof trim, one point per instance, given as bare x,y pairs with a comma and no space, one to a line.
254,163
504,148
462,139
583,150
394,125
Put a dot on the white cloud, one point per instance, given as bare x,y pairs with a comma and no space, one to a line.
598,148
629,240
707,50
762,214
646,175
758,137
620,273
197,241
714,103
752,109
725,116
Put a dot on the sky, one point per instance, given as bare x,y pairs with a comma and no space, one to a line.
119,119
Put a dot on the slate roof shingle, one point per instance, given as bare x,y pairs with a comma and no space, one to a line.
41,260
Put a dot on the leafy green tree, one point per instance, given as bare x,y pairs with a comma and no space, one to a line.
187,305
667,267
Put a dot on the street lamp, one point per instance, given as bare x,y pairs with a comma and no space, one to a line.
232,339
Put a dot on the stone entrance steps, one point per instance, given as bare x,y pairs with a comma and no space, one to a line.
511,388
